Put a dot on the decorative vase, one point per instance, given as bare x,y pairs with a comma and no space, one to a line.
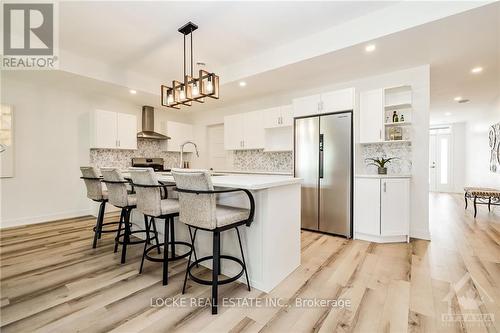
382,171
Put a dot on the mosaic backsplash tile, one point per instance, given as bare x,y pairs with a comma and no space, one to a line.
122,159
258,160
402,165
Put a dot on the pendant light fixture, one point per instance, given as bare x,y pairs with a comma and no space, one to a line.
191,89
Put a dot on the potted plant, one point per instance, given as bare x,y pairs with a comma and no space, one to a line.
380,163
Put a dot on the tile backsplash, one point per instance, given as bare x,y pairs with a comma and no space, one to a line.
258,160
402,150
122,159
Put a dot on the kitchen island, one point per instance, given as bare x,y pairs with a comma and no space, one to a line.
271,244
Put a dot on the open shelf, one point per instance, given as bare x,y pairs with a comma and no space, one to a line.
401,123
397,106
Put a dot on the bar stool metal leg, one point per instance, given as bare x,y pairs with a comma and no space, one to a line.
193,238
465,197
119,231
475,206
99,221
126,237
215,271
172,238
243,258
155,231
147,225
165,252
194,249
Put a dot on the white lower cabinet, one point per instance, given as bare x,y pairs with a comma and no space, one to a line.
382,209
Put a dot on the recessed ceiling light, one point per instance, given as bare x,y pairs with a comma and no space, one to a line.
243,84
370,48
132,91
447,113
476,70
458,98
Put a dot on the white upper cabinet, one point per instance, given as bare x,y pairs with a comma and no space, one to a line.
333,101
253,130
113,130
281,116
306,106
179,133
126,125
338,100
233,131
371,116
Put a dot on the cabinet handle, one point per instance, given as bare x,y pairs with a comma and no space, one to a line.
385,187
380,134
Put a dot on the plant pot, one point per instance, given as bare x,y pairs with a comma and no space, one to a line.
382,171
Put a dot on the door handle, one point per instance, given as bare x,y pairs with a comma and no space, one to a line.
321,146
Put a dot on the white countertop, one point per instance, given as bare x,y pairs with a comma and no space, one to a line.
383,176
249,182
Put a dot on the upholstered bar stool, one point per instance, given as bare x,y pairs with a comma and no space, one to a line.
92,178
198,209
156,205
120,196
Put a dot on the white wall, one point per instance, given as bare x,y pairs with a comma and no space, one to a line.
417,77
477,151
52,142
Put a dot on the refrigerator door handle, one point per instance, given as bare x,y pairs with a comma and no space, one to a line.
321,145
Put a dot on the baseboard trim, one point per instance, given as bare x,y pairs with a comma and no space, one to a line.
420,234
44,218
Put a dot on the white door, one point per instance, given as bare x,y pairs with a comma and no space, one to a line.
254,130
105,129
305,106
217,156
371,116
234,132
440,160
395,207
367,206
126,125
432,163
338,100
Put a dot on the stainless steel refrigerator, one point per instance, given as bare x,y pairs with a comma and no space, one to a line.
323,159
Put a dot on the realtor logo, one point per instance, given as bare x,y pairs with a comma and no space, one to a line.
29,32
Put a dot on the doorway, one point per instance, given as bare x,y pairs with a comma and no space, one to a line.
218,157
440,159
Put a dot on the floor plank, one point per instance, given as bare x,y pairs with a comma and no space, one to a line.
53,281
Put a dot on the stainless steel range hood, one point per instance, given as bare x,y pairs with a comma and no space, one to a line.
148,125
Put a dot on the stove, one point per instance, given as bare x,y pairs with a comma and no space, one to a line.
144,162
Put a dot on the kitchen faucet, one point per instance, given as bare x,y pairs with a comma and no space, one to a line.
182,152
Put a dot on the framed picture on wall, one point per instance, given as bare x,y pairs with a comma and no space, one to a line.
494,138
6,141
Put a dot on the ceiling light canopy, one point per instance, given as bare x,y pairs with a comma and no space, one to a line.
476,70
370,48
191,89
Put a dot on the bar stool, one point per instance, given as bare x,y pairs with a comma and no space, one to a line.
198,209
120,196
92,178
154,206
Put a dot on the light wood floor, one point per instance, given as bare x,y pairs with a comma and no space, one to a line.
53,281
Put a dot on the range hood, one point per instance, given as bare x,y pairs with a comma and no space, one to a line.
148,125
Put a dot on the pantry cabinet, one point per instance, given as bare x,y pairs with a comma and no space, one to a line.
113,130
382,209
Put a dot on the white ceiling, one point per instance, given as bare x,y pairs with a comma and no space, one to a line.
142,36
